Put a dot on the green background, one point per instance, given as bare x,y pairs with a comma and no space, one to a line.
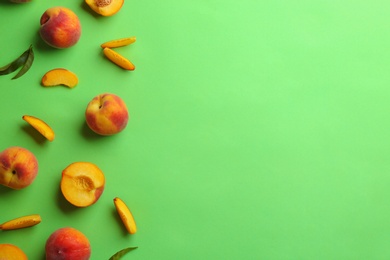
258,130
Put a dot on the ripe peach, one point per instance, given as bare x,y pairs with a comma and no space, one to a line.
106,114
60,27
18,167
67,244
11,252
82,183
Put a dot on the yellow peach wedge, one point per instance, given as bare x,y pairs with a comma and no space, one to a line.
125,215
43,128
105,7
21,222
59,76
119,42
11,252
118,59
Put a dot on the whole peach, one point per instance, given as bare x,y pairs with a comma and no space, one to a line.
107,114
60,27
18,167
67,244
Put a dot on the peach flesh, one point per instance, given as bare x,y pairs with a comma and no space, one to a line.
82,183
11,252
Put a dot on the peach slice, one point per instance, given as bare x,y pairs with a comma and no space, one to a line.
118,42
118,59
11,252
59,76
105,7
21,222
40,126
82,183
125,215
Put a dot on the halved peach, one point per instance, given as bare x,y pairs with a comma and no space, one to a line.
59,76
119,42
82,183
40,126
105,7
118,59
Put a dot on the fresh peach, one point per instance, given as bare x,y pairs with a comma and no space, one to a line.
59,76
18,167
118,59
82,183
107,114
67,244
40,125
119,42
125,215
60,27
105,7
11,252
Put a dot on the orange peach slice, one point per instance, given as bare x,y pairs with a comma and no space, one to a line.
21,222
11,252
40,126
118,59
82,183
118,42
105,7
59,76
125,215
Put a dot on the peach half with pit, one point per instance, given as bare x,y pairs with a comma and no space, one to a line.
60,27
67,243
18,167
105,7
11,252
107,114
82,183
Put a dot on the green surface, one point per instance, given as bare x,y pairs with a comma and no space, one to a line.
258,130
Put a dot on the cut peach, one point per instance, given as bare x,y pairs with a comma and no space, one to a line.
82,183
105,7
125,215
59,76
118,42
11,252
43,128
118,59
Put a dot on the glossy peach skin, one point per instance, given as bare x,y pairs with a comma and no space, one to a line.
11,252
67,244
60,27
18,167
107,114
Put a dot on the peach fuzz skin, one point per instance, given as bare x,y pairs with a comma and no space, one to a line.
18,167
60,27
11,252
107,114
67,244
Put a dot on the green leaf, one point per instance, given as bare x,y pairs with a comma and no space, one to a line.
122,252
14,65
27,63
